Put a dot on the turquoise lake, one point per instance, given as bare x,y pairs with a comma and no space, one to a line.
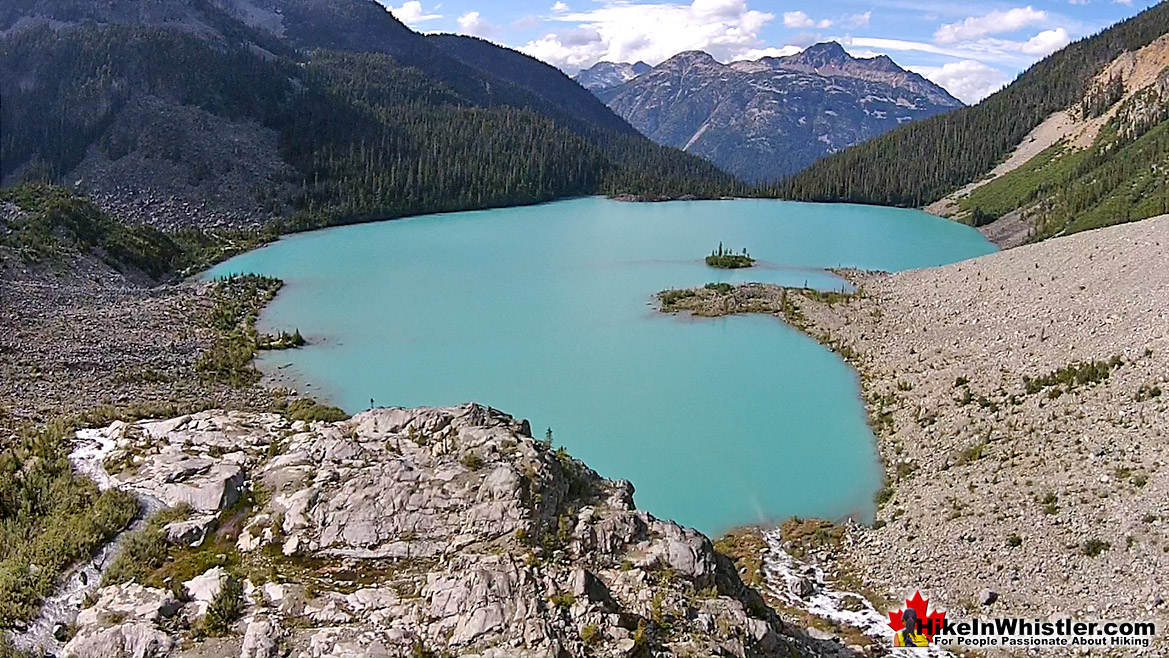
546,313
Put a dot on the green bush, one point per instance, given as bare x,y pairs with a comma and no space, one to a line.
49,518
590,634
671,297
309,410
562,600
1094,547
225,608
1074,374
144,550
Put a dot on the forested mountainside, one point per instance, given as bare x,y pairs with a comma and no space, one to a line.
1119,175
761,120
303,112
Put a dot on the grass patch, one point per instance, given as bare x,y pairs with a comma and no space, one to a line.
1073,375
745,547
309,410
808,535
144,550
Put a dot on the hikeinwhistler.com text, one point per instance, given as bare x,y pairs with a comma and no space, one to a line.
1019,632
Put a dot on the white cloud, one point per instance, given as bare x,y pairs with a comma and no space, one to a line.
759,53
1046,42
559,7
858,20
528,22
474,24
629,30
996,22
1002,51
969,80
797,19
411,13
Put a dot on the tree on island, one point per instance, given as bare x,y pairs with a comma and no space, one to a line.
727,259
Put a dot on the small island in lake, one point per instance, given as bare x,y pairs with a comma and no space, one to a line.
727,260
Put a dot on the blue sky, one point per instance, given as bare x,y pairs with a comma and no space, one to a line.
972,48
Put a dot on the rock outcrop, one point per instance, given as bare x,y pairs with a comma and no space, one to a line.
411,531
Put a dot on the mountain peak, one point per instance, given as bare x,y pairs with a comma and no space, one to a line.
828,53
691,58
828,48
606,75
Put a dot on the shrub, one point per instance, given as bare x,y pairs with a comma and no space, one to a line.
1074,374
1094,547
225,608
1014,541
972,453
671,297
144,550
472,461
562,600
309,410
1049,503
590,634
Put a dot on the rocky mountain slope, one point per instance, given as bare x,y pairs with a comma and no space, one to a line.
606,75
769,118
1077,141
400,532
1102,160
244,112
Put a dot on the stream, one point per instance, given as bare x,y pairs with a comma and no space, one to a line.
781,574
61,608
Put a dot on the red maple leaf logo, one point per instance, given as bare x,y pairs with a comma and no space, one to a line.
930,623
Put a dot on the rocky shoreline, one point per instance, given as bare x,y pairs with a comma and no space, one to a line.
1020,405
408,532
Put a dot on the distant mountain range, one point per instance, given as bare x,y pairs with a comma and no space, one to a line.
761,120
196,113
1076,142
606,75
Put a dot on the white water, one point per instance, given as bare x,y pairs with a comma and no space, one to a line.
781,571
61,608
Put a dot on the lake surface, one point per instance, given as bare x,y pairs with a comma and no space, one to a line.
546,313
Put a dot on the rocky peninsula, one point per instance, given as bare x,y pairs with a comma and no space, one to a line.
1021,410
403,532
